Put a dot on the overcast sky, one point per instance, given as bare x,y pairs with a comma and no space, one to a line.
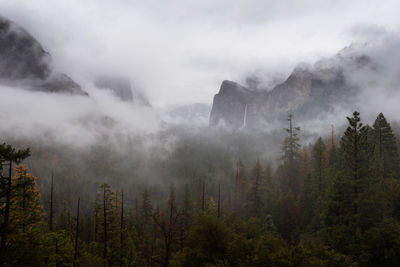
179,51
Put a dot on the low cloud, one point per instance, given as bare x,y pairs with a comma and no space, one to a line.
180,51
69,119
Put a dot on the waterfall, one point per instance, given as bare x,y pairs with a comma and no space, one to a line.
245,117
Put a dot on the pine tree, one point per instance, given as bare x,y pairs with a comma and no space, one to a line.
290,145
8,157
349,208
305,170
240,190
51,213
385,146
186,218
76,249
168,225
105,219
292,174
356,148
146,228
255,204
332,147
63,222
122,231
269,192
56,248
319,165
26,220
203,196
291,155
27,211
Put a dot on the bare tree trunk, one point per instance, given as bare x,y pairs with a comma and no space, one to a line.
76,255
56,252
219,200
136,208
105,223
203,197
95,226
355,186
121,230
23,206
168,237
4,231
51,204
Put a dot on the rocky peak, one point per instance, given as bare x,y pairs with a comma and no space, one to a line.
229,104
231,88
122,88
119,86
24,63
308,91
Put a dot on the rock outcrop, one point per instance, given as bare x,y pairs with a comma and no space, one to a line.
122,88
119,86
24,63
234,105
307,92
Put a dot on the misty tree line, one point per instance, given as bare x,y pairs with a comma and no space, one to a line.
327,204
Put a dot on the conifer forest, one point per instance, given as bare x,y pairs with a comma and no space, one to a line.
333,202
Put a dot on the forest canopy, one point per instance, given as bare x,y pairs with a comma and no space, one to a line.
333,202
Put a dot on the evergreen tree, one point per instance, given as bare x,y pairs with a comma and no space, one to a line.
349,208
332,148
291,174
290,179
255,204
8,157
56,249
51,213
168,223
26,219
185,219
385,146
106,222
268,188
146,229
315,187
26,209
305,171
64,219
240,187
319,165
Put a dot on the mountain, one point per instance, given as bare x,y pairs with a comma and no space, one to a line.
307,92
24,63
122,88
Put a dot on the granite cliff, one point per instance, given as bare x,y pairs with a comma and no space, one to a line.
306,92
24,63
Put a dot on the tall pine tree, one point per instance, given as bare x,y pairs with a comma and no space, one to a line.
349,209
385,148
255,204
291,160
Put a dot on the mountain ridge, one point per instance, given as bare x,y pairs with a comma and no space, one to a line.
25,63
307,91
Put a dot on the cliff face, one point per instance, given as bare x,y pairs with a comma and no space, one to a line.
307,92
24,63
122,88
119,86
229,104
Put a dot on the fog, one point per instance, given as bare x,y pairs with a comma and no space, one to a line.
180,51
78,120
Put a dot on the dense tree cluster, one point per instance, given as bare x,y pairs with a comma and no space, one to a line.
327,204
